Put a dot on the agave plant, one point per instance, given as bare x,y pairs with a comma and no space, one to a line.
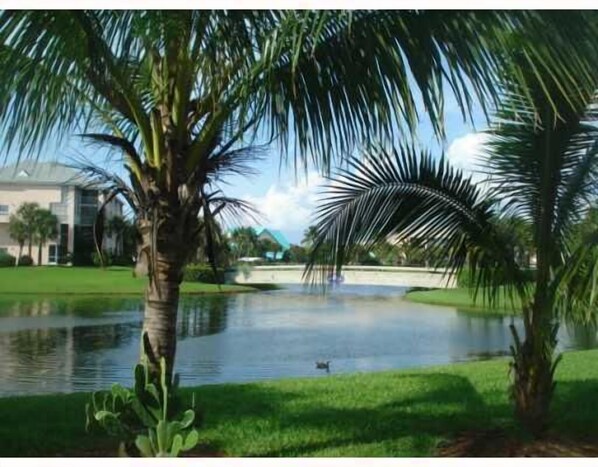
542,163
172,89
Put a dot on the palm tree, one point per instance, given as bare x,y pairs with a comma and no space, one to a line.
309,236
175,91
265,246
543,170
220,249
244,242
17,230
46,228
27,212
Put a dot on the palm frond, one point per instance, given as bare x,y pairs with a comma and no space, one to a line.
109,181
577,282
323,81
402,194
543,165
233,211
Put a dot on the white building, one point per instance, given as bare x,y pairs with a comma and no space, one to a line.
63,191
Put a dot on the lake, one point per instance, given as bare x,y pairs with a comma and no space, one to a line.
88,343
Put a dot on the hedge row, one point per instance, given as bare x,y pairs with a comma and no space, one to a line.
203,273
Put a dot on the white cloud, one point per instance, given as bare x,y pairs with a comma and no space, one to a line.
465,152
289,206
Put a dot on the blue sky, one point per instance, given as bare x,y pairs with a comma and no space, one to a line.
287,204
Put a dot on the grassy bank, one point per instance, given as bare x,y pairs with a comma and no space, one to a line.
461,298
50,281
399,413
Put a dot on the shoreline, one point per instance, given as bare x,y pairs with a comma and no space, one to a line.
460,298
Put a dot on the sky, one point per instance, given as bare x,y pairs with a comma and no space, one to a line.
287,203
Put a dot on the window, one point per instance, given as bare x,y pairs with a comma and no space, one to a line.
63,246
87,207
87,215
52,254
89,197
3,209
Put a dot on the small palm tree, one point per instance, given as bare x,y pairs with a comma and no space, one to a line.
173,92
46,228
542,160
17,230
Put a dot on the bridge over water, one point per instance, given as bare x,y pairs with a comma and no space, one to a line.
366,275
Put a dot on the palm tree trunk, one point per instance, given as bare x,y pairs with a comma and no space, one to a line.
533,364
159,322
533,372
162,295
141,264
39,255
20,254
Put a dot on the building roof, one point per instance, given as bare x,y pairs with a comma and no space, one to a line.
41,173
276,234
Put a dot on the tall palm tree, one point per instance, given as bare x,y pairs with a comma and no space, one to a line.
46,228
543,170
173,91
17,230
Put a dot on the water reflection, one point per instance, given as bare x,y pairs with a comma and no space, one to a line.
582,336
26,306
202,316
88,343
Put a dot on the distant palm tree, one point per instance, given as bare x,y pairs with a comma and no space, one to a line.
17,230
309,236
174,92
542,159
265,246
244,242
46,228
27,212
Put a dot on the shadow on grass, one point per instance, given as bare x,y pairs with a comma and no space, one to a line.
402,414
420,408
448,404
575,409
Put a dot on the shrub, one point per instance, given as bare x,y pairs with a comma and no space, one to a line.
7,260
148,419
370,261
105,261
122,260
66,258
26,260
203,273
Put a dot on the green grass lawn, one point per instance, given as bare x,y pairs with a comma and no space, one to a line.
397,413
55,280
462,298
